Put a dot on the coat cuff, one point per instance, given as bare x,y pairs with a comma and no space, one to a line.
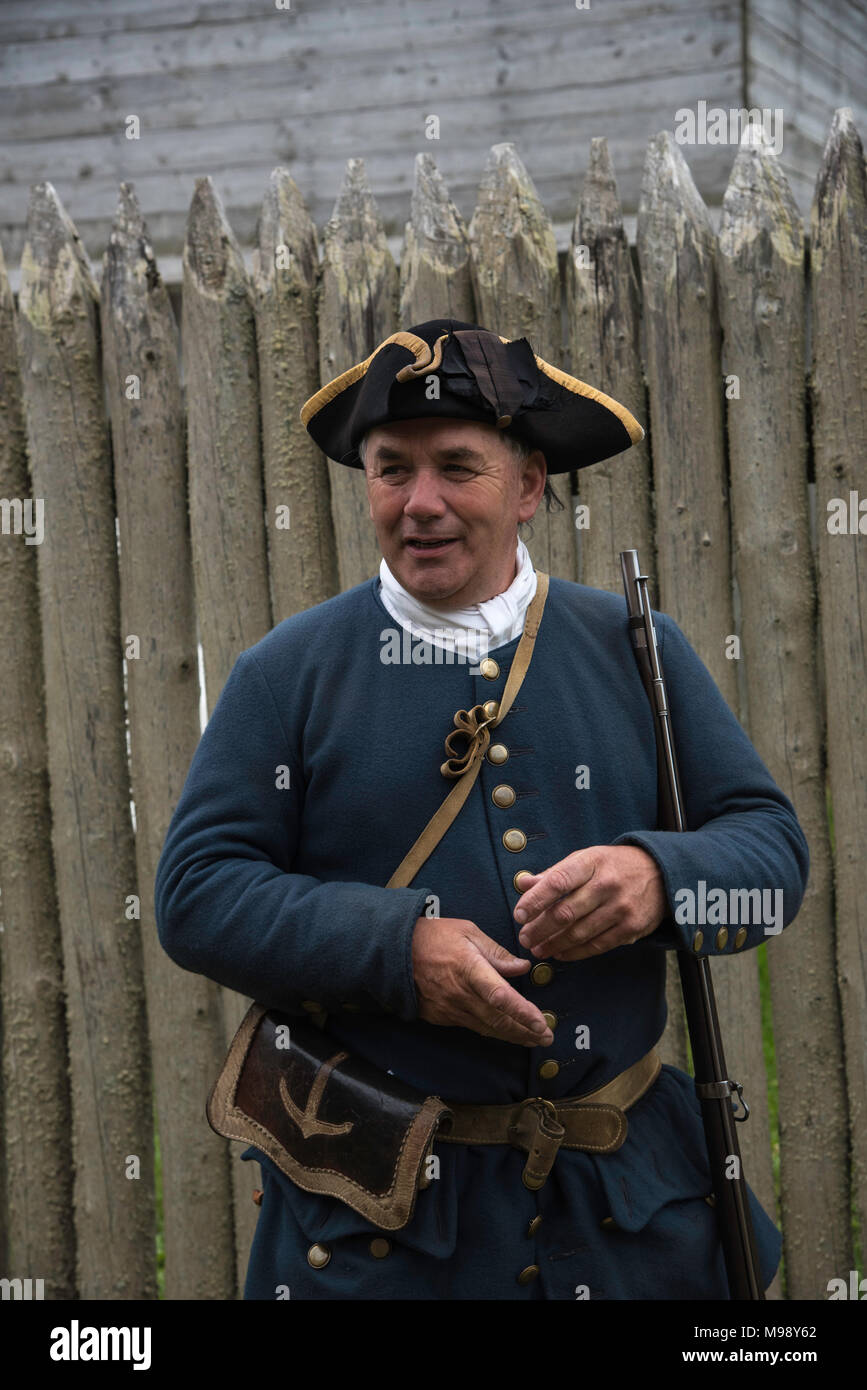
709,915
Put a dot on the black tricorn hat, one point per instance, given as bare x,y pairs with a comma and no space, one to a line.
448,369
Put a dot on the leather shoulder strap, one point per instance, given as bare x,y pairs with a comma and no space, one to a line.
443,817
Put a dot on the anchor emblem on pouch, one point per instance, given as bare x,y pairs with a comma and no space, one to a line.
307,1119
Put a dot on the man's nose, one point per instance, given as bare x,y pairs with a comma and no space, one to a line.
425,497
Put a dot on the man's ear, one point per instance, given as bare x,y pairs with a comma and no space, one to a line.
534,473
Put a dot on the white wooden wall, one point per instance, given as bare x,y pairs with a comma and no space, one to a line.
233,87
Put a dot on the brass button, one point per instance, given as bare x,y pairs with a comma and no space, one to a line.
722,937
503,796
698,941
489,668
497,754
519,875
515,841
534,1225
311,1006
380,1247
608,1223
490,709
318,1256
548,1070
258,1194
740,937
542,974
711,1199
550,1019
528,1275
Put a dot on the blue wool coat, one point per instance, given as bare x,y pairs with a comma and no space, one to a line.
278,891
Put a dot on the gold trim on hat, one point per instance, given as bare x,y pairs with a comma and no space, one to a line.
418,368
420,350
427,358
581,388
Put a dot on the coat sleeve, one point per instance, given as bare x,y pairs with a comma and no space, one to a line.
743,861
228,904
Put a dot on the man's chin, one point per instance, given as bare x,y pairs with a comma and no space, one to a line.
430,581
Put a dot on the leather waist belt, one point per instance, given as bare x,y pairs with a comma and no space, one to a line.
594,1123
339,1126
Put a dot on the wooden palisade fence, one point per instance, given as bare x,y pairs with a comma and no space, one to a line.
229,520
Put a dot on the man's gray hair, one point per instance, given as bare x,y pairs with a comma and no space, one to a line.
521,451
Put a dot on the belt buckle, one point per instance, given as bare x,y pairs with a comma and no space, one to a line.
541,1147
541,1100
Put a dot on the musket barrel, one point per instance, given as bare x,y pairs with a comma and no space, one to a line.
735,1221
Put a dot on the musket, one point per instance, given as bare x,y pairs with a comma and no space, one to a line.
712,1084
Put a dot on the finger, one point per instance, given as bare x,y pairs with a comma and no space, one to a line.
620,934
564,877
565,918
499,956
495,1004
602,919
501,959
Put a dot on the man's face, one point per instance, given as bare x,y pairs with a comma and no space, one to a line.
446,497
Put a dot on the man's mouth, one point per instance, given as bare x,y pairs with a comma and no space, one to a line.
419,545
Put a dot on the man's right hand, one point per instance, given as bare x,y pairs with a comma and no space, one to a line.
459,980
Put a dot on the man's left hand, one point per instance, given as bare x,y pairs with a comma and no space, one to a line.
590,902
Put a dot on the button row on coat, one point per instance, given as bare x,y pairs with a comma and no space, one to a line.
319,1255
541,974
721,939
528,1274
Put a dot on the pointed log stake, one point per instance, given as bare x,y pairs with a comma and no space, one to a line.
761,266
36,1119
603,321
92,831
302,551
603,310
357,309
838,285
227,521
226,516
676,249
435,276
140,362
516,281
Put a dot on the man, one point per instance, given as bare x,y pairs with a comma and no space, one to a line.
519,960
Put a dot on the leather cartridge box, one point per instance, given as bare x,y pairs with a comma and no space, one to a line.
331,1122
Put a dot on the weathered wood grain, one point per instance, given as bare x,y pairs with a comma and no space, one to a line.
603,318
435,276
603,315
91,828
227,521
357,309
516,283
838,295
35,1124
301,545
676,249
762,310
140,366
234,89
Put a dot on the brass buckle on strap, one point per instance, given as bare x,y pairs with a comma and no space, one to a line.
538,1131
